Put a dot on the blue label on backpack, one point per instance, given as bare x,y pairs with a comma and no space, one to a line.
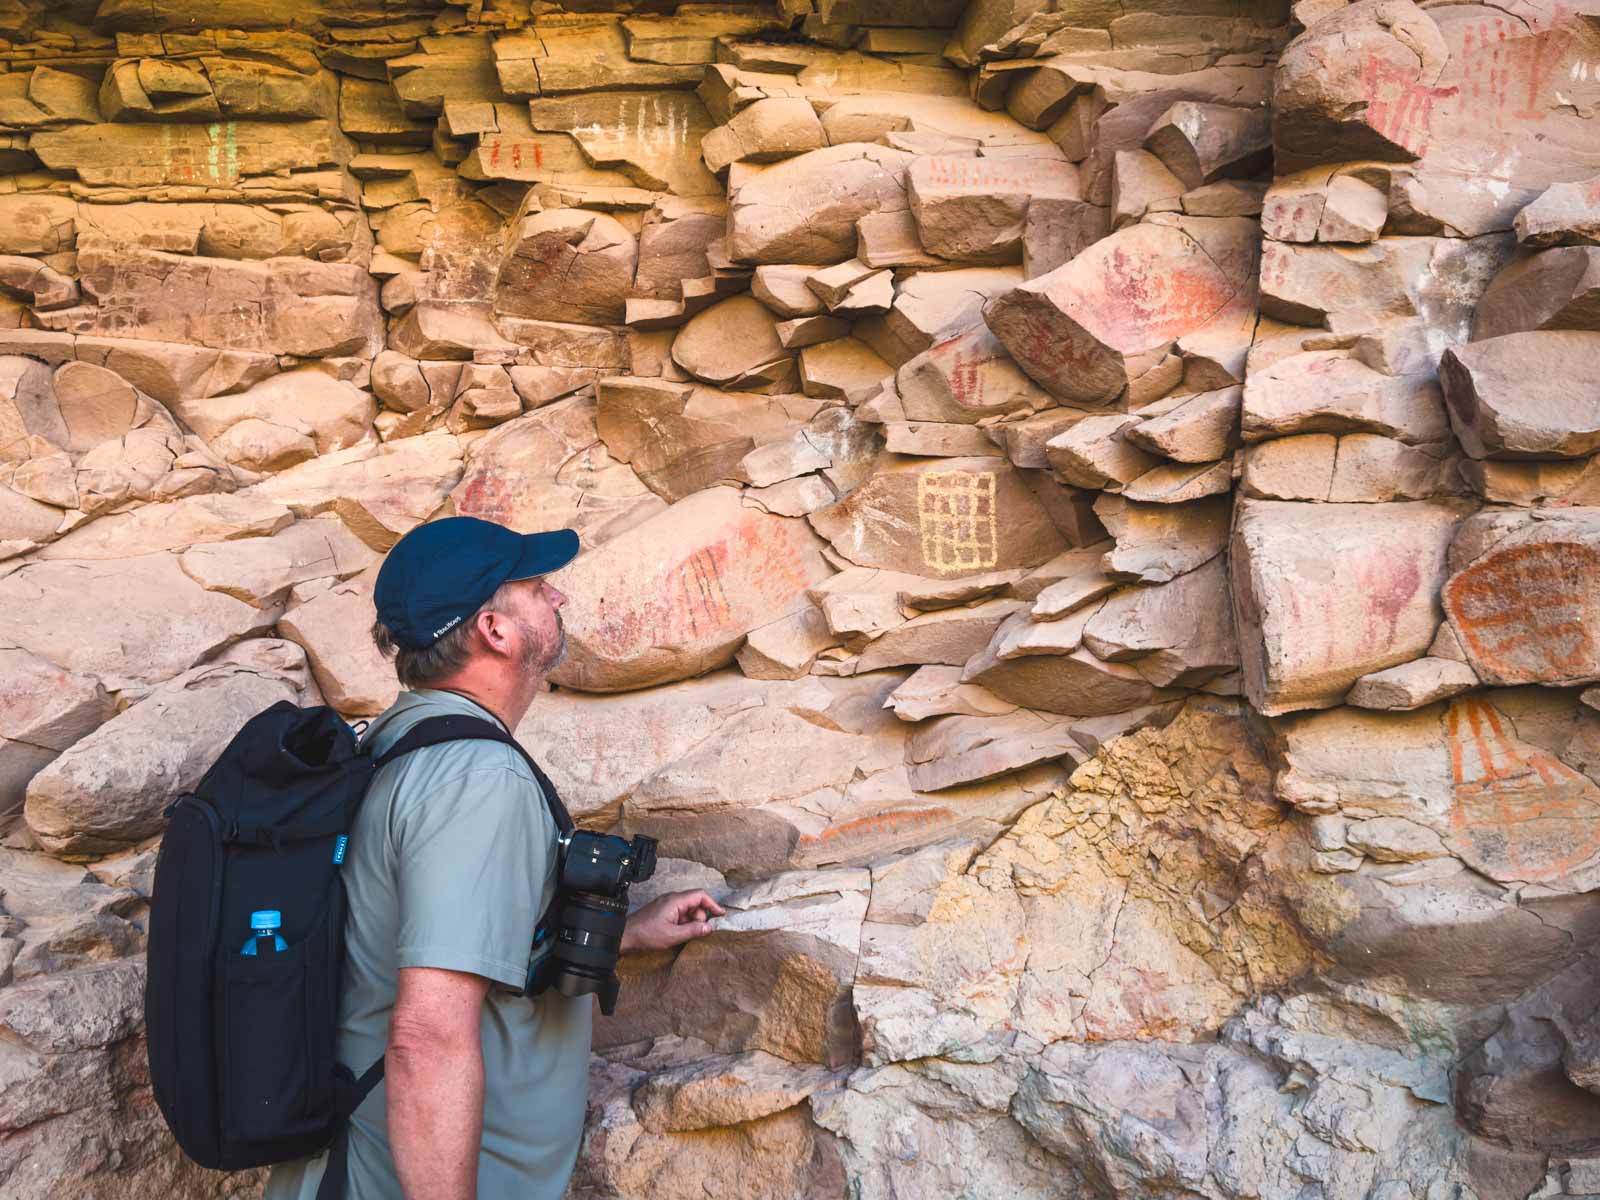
338,849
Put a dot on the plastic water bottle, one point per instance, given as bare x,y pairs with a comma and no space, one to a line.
264,939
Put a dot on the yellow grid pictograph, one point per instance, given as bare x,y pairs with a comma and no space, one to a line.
955,515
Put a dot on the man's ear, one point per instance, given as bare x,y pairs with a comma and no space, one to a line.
493,629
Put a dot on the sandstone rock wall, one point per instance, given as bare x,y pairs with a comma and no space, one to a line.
1090,550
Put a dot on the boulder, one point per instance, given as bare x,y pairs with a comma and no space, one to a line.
976,209
447,330
97,405
109,789
1076,684
37,223
1201,143
946,517
938,691
1307,634
1359,467
380,491
679,437
1412,685
804,210
734,344
1519,598
674,249
1492,775
726,1090
1095,453
27,408
786,648
567,265
949,637
1353,211
1354,288
550,470
674,596
332,623
36,284
1202,429
1088,329
794,938
170,371
932,305
1141,183
966,378
1525,395
307,403
1158,542
835,369
952,750
43,711
173,526
1552,289
1173,634
278,306
1386,80
1325,391
261,570
130,622
765,131
1565,214
785,290
682,755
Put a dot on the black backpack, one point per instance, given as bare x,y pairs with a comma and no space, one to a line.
241,1047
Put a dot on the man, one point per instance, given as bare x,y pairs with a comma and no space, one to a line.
452,859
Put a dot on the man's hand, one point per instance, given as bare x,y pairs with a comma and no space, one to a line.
669,921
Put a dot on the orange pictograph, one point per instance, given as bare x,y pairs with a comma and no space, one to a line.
1520,814
956,519
1526,613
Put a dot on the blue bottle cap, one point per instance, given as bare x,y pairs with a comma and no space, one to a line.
266,919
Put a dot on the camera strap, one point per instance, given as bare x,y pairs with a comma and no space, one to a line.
435,731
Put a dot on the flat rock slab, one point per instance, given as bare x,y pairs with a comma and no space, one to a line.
1384,79
130,622
43,711
1306,632
1552,289
1526,605
1090,327
804,210
108,790
674,596
1487,773
954,516
975,209
1525,395
279,306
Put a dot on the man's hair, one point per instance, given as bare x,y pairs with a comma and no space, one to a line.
423,668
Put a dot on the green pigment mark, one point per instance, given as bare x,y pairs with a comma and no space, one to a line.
222,156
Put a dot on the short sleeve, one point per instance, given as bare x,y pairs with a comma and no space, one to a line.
471,857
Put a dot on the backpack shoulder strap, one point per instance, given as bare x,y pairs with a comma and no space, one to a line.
435,731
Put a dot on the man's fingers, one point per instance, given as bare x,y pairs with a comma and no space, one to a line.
703,900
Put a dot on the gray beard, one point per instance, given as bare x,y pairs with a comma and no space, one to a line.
532,662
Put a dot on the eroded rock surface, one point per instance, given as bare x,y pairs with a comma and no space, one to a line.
1090,522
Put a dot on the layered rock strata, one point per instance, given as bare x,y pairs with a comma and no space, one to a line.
1090,545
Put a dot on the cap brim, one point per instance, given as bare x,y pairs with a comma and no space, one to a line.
543,553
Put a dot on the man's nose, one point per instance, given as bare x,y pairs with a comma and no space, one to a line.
557,597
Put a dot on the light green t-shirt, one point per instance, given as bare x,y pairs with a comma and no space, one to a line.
452,858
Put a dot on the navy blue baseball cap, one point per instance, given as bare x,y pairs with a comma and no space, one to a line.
441,573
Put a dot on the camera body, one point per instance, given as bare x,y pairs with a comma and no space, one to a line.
576,946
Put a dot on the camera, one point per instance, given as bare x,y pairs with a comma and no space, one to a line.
575,949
